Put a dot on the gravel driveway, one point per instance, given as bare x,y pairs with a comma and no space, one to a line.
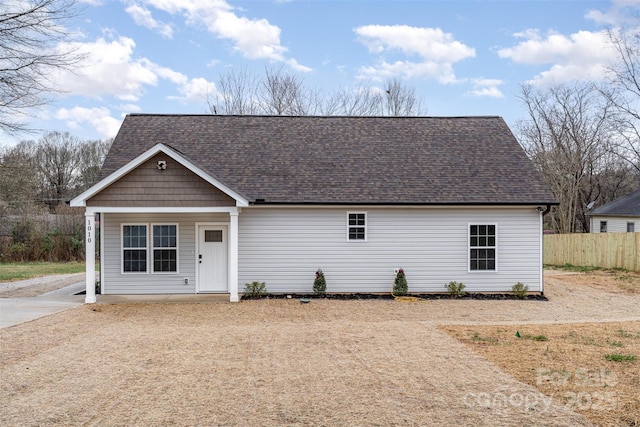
279,362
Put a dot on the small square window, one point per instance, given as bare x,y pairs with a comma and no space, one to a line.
631,227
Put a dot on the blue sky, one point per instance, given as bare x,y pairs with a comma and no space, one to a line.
462,57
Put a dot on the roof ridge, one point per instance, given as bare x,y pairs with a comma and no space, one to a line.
312,116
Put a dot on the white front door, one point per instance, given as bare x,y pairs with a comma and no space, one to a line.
212,258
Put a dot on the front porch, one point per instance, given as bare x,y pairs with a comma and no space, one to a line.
194,270
164,217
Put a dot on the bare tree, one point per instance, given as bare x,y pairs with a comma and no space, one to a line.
393,99
58,165
236,93
92,155
566,136
358,101
18,180
400,100
282,93
624,94
30,32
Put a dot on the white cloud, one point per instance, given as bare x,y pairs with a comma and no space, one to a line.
383,70
430,43
579,56
110,69
486,88
99,118
621,12
252,38
196,90
142,16
107,69
436,51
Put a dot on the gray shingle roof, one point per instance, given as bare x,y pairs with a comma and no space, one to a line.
628,205
345,160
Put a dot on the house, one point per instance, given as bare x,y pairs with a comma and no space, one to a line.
206,203
620,215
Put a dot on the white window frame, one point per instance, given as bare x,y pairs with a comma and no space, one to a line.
469,247
366,222
632,225
603,225
122,248
152,248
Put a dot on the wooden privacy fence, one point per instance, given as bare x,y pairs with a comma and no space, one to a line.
606,250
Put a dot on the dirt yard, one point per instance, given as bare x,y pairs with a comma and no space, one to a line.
279,362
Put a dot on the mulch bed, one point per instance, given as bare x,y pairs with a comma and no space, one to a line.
431,296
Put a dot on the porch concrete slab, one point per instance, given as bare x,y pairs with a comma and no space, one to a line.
146,299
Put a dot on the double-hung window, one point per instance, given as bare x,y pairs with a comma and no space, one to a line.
603,226
165,248
482,247
357,226
141,243
134,248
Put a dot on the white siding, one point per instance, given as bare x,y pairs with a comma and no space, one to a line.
614,224
284,246
115,282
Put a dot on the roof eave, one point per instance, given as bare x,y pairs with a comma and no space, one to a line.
544,203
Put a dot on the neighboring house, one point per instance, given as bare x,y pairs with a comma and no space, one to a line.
205,203
620,215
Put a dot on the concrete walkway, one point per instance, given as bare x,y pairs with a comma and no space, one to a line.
14,311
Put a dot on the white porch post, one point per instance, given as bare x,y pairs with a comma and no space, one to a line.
90,257
233,256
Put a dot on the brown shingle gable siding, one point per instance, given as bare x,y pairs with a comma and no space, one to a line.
343,160
146,186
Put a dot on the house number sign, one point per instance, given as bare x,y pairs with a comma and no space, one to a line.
89,230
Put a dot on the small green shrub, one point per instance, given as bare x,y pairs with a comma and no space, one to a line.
532,337
320,284
455,289
400,286
520,290
540,338
255,289
619,357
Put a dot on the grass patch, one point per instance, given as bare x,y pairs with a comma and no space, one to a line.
575,366
11,271
532,337
615,357
488,340
575,268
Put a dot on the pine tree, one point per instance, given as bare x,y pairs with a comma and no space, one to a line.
320,284
400,286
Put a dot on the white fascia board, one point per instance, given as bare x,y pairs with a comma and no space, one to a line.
81,200
176,210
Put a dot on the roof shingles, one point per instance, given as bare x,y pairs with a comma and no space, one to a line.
627,205
345,160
